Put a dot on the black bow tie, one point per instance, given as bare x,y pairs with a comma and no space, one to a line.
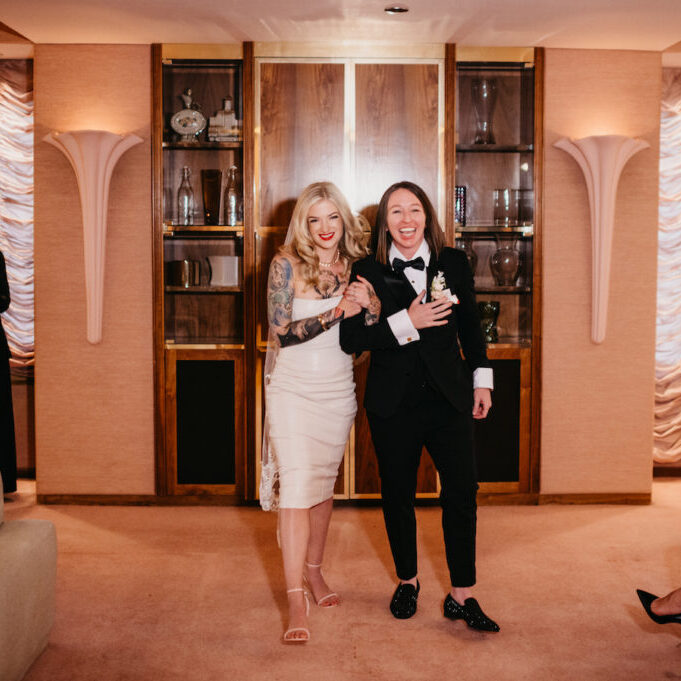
400,265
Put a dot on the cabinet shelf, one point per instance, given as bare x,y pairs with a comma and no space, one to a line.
199,146
193,231
203,289
205,344
508,343
503,289
494,230
495,148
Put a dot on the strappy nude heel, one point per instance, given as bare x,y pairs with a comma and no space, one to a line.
288,638
321,601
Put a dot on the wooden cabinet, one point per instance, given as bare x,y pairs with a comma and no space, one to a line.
497,213
201,274
362,121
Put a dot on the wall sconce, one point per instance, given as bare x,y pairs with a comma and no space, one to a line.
93,155
601,158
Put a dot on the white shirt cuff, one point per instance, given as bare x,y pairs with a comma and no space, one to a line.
402,328
483,377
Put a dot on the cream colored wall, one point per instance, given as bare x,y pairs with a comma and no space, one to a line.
597,400
94,403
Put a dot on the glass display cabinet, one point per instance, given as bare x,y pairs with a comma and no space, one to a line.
495,226
200,275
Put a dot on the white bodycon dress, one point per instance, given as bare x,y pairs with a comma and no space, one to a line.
311,405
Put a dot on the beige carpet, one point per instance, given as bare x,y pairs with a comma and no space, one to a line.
196,594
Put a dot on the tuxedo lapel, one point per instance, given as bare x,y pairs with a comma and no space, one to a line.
431,271
399,287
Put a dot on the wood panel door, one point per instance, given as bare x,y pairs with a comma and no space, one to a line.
398,109
300,116
398,114
302,135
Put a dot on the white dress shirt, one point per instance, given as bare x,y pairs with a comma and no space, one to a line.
400,322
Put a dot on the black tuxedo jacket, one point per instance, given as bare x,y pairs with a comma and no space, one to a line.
438,347
4,304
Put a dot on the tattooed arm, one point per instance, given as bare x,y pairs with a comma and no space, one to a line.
280,292
373,311
362,293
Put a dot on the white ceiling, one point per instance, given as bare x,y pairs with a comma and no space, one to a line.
590,24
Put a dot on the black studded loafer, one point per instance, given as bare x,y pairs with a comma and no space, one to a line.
470,612
403,603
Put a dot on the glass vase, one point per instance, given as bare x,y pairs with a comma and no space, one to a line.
484,92
467,247
489,313
506,202
505,263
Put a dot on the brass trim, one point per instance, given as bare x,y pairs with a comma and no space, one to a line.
205,490
259,404
204,346
349,49
498,487
498,54
198,51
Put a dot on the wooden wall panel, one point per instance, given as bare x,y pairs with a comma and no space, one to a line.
301,133
397,131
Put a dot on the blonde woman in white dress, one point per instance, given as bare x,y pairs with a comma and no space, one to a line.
310,391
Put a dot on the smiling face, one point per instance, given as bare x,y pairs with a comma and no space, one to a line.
406,221
325,225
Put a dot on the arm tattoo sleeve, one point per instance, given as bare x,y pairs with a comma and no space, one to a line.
280,308
373,312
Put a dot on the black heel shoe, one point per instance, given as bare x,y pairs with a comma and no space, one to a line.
646,599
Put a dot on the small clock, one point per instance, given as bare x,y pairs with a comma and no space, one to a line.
188,124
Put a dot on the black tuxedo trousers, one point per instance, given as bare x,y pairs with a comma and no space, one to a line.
427,420
421,395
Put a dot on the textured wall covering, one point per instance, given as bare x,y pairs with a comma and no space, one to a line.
16,206
94,403
597,400
668,350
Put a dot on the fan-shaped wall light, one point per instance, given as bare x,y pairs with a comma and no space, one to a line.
601,158
93,155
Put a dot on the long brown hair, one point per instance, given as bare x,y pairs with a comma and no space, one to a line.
381,237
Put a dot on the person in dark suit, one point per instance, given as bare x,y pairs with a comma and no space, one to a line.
8,457
419,390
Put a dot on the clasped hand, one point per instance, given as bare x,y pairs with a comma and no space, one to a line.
434,313
358,295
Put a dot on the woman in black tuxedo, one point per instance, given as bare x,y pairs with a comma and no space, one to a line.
419,390
8,459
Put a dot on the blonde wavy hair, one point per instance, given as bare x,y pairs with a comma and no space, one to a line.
352,245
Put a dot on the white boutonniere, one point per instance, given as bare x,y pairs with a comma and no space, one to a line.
438,289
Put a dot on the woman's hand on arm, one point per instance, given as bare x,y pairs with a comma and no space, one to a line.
280,294
362,292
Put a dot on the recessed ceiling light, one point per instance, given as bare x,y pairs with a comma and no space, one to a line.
396,9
